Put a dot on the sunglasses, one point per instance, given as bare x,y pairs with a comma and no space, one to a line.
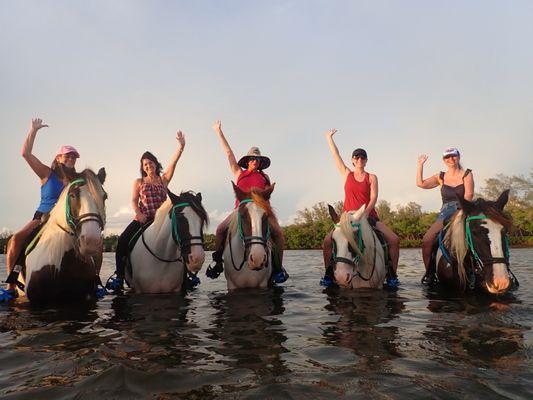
450,156
359,157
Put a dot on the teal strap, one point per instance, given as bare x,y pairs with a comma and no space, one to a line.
68,212
239,221
174,221
468,235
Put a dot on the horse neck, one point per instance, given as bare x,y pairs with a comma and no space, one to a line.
159,234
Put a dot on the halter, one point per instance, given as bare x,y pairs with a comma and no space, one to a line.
470,244
248,241
357,258
181,243
73,222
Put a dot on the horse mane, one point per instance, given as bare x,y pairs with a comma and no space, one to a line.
96,190
366,257
454,238
196,205
257,197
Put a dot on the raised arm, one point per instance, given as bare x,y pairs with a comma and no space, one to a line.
235,169
343,169
469,186
169,172
373,179
429,183
42,171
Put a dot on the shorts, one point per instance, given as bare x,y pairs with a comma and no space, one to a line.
447,210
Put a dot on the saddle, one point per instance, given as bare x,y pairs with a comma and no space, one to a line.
133,242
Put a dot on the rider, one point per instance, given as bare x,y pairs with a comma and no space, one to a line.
455,182
149,192
360,188
53,179
249,173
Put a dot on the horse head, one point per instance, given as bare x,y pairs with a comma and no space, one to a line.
187,221
480,230
251,223
80,211
348,244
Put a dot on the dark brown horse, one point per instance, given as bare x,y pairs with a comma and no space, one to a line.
473,250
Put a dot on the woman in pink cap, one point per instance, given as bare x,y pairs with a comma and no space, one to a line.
53,179
455,182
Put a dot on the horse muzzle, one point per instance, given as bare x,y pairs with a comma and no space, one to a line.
343,275
195,259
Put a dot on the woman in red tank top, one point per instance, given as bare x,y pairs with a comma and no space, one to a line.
360,188
248,173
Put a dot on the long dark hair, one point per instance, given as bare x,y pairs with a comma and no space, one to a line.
149,156
62,171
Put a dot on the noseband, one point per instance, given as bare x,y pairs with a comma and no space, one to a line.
248,241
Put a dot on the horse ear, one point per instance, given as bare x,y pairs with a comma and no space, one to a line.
268,191
199,196
173,198
466,206
101,175
503,199
239,193
333,214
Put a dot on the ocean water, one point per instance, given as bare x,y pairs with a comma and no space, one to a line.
296,341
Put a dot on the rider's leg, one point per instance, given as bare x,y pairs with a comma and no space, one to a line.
121,253
220,239
393,242
14,246
429,239
279,274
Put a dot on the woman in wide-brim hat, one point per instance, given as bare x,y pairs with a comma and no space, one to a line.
455,182
53,179
248,173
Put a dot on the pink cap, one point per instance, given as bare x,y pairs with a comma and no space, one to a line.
65,149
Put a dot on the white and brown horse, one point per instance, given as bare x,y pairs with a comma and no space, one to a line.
248,254
473,250
65,262
170,252
358,256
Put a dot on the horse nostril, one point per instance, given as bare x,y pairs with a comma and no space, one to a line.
251,258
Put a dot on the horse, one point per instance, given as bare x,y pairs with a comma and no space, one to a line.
64,263
170,251
358,256
472,251
248,252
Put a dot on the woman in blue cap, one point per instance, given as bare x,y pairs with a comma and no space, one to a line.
455,182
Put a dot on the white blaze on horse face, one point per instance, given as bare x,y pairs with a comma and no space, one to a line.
90,231
197,254
500,281
258,256
343,272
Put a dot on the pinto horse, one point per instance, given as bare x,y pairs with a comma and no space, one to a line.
358,256
170,252
248,253
473,250
65,261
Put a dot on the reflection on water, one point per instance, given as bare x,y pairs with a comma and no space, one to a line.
295,341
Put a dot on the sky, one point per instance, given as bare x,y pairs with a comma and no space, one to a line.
398,78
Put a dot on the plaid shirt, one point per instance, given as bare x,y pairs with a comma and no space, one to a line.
151,196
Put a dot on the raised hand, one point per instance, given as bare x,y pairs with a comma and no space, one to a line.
36,124
180,137
331,132
217,126
422,158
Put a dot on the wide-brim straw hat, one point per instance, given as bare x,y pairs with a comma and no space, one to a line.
254,152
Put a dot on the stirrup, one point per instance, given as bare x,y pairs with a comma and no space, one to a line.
392,283
115,284
326,281
281,276
7,295
191,281
214,271
429,279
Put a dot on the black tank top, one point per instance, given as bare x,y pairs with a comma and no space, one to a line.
450,193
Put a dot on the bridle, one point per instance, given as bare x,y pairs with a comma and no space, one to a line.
248,241
73,222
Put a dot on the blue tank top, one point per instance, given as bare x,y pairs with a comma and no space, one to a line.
50,192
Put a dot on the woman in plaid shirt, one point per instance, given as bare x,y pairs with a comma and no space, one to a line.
149,192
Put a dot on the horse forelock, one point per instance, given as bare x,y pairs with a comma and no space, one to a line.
196,205
257,197
345,226
96,191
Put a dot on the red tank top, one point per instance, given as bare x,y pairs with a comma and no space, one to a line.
250,179
357,193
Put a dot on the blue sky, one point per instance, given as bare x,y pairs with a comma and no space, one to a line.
399,78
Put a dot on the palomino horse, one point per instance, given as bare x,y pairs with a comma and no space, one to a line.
473,250
247,255
66,261
358,256
170,252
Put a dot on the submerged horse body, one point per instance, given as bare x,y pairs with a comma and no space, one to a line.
358,257
473,250
65,262
170,250
248,254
